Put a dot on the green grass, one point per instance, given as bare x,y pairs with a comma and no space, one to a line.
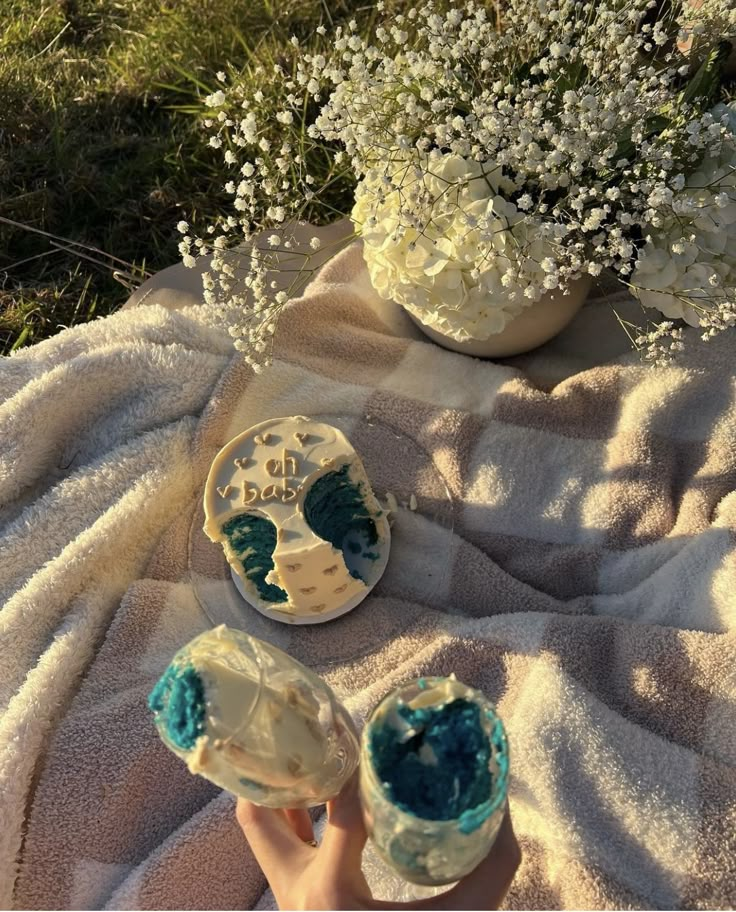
101,142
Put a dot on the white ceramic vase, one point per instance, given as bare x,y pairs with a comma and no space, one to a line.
534,326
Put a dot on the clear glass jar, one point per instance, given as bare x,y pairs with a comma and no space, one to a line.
432,851
254,721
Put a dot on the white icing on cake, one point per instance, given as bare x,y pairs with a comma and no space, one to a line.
268,470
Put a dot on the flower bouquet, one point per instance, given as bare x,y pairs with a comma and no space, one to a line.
494,160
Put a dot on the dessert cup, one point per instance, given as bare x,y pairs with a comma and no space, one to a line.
422,848
254,721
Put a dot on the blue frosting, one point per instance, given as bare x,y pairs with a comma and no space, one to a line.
459,786
253,538
334,509
178,703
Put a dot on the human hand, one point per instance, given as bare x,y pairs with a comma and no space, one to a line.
303,875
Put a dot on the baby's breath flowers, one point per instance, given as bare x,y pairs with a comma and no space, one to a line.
495,156
259,257
660,343
704,24
687,267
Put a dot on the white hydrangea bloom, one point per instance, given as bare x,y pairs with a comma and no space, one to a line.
690,262
439,239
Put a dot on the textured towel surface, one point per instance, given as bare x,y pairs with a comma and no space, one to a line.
572,554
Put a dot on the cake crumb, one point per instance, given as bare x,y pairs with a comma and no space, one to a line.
392,502
413,502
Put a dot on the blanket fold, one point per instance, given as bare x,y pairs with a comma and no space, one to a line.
572,554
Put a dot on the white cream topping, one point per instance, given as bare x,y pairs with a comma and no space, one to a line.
435,695
268,470
439,694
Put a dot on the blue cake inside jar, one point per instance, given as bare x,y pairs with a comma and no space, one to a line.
436,767
178,703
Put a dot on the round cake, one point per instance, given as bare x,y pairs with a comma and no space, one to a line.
290,502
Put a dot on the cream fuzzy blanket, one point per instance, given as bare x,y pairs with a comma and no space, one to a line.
572,554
